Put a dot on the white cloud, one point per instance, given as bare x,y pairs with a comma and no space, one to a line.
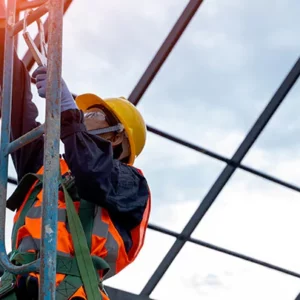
224,52
283,39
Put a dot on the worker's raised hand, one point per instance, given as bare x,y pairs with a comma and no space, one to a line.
67,101
40,75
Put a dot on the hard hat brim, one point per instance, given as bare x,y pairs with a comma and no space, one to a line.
85,101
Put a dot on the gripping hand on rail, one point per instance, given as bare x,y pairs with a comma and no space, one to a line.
67,101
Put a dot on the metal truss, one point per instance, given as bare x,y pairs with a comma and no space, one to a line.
232,163
115,294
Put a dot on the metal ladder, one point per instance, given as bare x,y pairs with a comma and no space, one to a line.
46,264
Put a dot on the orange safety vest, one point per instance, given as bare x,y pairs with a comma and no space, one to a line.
106,242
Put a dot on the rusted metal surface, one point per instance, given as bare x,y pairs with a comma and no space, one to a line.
5,139
25,139
51,153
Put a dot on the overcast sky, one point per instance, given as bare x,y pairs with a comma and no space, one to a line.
219,77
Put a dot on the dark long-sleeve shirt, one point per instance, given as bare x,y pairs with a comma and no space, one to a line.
99,178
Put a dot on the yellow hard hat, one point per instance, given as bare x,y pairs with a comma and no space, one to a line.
128,116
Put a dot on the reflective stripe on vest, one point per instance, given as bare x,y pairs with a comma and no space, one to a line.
36,213
100,231
29,244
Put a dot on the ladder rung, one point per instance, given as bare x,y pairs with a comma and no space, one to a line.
25,139
8,266
36,14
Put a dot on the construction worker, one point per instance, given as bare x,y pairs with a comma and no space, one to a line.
102,138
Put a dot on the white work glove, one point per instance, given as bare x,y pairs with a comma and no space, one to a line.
67,101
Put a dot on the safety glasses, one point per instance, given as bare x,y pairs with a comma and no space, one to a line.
101,116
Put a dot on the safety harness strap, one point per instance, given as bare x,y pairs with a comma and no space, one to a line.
86,216
25,186
86,209
82,252
8,280
64,265
81,270
16,199
68,287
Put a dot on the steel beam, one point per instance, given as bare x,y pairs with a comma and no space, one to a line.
217,187
222,158
164,51
12,180
26,139
222,250
115,294
16,144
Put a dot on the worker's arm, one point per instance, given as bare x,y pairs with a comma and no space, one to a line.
23,118
99,178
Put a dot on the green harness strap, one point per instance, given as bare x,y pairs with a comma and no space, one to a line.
8,285
86,216
86,209
82,253
64,265
83,265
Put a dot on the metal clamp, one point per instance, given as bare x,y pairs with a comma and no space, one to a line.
39,56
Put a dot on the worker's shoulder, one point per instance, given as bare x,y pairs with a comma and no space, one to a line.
129,186
127,170
127,177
